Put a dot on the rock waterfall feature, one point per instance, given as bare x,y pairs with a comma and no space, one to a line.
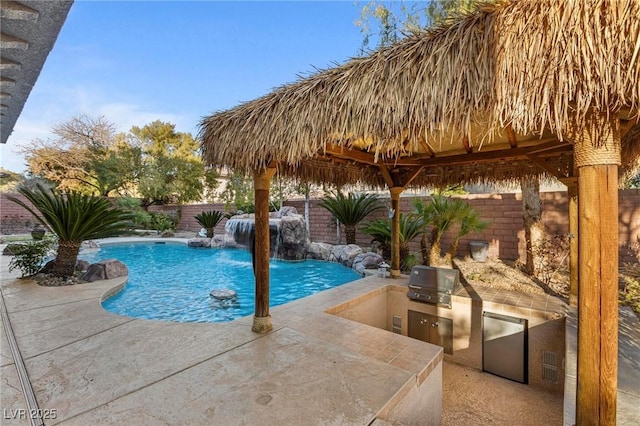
287,233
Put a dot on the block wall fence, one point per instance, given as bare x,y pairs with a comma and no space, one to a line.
505,232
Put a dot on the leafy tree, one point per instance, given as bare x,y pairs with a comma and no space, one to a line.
171,169
350,210
83,157
238,193
9,180
74,218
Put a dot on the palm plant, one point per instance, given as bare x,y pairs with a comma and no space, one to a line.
441,213
410,227
469,222
209,220
350,210
74,218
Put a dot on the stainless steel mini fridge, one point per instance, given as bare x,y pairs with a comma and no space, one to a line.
505,346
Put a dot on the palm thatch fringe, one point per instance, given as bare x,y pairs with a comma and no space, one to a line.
534,65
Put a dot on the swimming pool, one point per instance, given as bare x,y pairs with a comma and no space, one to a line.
172,282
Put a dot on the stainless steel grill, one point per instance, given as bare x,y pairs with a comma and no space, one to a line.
433,285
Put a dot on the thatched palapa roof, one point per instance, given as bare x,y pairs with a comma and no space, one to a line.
486,97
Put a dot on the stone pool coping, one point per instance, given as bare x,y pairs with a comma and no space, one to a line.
91,366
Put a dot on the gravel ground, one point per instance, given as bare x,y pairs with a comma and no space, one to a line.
504,274
471,397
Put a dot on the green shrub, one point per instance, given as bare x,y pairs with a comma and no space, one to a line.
161,222
30,255
141,218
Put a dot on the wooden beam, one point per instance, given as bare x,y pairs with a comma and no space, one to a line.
412,176
512,136
465,143
546,167
489,156
353,154
551,147
384,171
427,148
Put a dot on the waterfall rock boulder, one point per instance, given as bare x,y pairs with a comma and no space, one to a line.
199,242
287,234
286,211
345,254
292,244
367,260
319,251
219,240
105,270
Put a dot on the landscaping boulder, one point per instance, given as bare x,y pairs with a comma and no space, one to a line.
82,265
292,243
199,242
367,260
89,244
345,254
105,270
218,240
319,251
286,211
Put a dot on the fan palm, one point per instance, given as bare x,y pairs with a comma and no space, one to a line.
441,213
410,227
350,210
74,218
209,220
469,222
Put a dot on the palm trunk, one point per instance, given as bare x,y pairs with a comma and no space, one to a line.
209,232
350,233
452,251
533,227
434,252
423,249
66,258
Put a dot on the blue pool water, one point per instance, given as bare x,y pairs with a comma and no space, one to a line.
172,281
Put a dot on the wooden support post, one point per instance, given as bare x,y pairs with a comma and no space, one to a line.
597,156
261,183
395,230
572,190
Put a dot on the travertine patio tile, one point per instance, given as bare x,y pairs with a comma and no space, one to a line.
60,325
266,381
5,351
11,399
93,371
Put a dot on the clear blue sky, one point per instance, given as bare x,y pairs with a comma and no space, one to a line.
138,61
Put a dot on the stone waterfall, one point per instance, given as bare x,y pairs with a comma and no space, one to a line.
287,233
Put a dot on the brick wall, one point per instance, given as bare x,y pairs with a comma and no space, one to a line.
13,218
504,212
